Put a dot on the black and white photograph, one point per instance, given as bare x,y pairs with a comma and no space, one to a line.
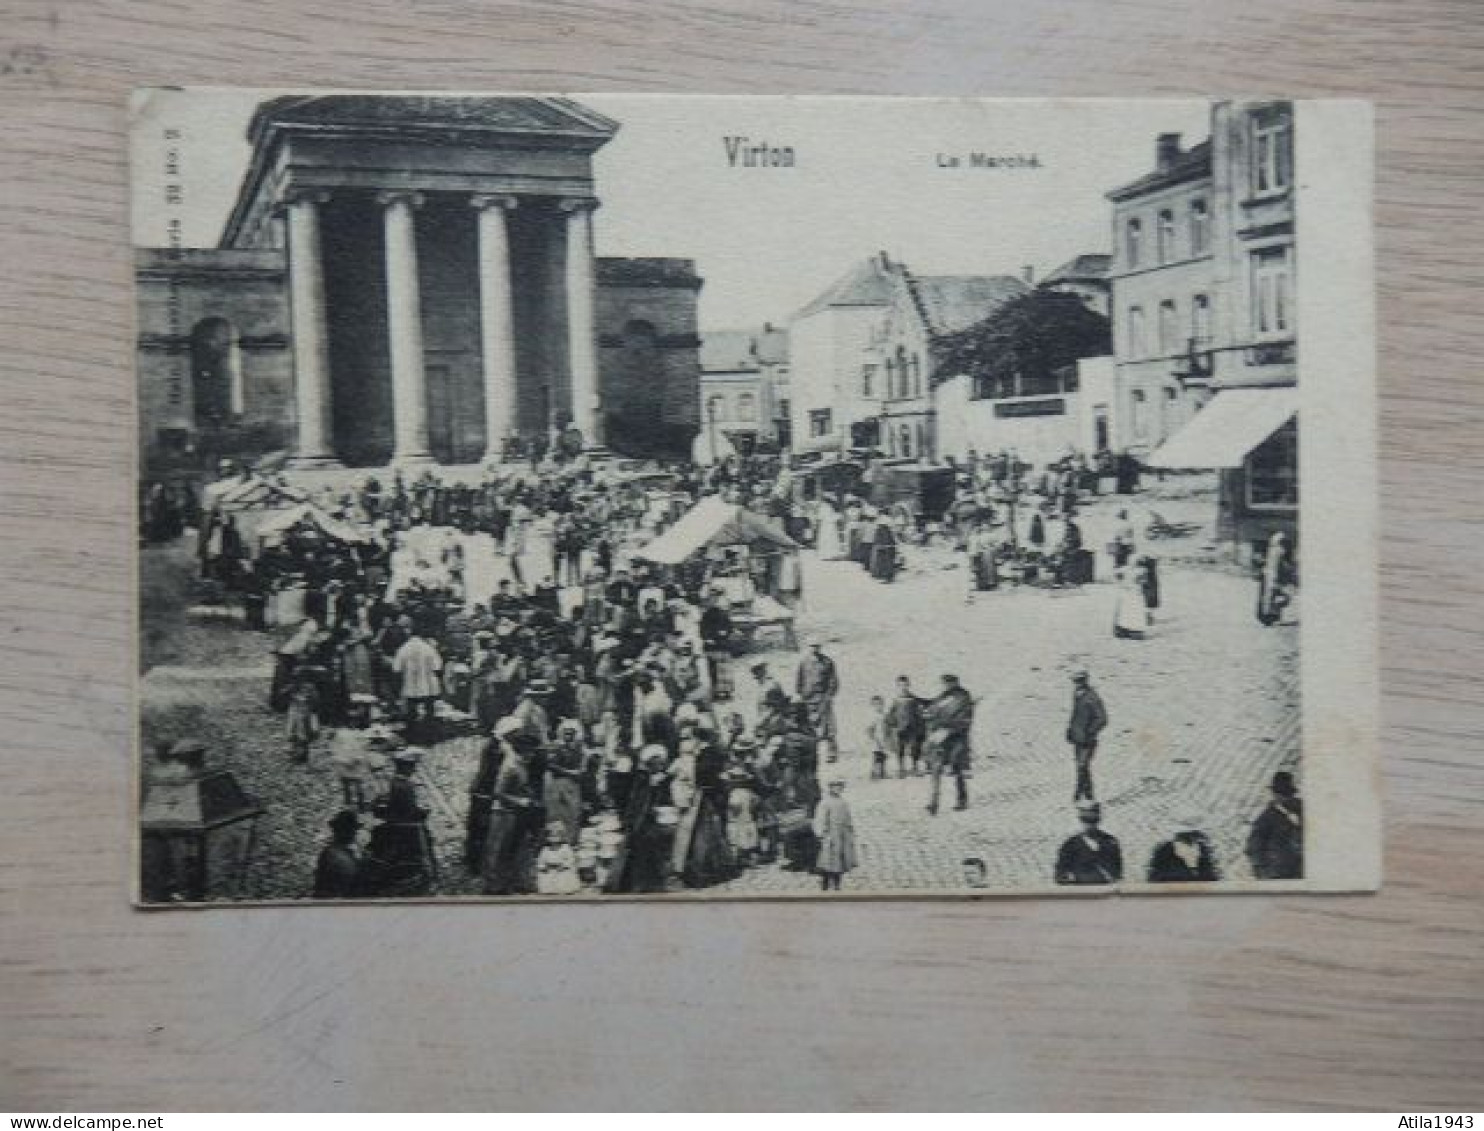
607,496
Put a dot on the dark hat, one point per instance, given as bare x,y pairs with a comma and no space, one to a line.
758,669
949,677
1089,811
1283,784
1080,675
345,821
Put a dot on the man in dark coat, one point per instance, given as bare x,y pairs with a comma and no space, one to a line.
817,682
949,719
1087,722
1275,846
1091,856
905,727
339,872
1186,857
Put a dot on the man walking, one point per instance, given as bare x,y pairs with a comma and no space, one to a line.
949,719
1087,722
817,683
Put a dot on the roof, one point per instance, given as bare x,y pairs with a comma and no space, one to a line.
1091,267
439,112
743,351
1222,433
951,303
868,283
1191,164
432,119
714,522
727,351
771,345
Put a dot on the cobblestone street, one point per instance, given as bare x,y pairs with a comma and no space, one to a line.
1201,714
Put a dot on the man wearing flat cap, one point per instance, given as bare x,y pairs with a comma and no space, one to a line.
949,720
1087,722
817,682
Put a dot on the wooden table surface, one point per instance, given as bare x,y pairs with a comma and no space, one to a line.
1244,1002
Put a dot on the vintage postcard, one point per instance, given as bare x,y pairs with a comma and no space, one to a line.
599,496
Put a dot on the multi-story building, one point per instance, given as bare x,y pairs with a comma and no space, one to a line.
901,366
744,386
828,340
863,360
1163,278
1241,355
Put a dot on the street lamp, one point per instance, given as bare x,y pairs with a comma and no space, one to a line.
198,828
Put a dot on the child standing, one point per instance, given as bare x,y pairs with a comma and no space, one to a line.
350,755
302,723
836,829
556,866
906,727
876,737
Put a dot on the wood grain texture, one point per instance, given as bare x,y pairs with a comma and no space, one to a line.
1244,1002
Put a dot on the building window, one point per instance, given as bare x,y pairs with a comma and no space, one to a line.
1200,227
904,442
1272,289
716,407
868,378
1132,238
1272,151
902,377
783,409
1136,343
1272,470
746,408
820,423
916,375
1165,236
1169,328
1138,418
1200,321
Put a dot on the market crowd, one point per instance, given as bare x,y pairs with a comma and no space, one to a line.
625,746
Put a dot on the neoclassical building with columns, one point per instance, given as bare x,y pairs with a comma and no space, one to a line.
411,280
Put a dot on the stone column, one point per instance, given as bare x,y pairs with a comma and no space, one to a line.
496,322
404,325
311,340
582,353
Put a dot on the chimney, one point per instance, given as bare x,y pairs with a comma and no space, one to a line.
885,261
1166,149
1028,273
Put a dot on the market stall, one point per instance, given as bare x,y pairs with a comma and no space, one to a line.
753,563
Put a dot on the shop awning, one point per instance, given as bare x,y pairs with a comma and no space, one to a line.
1222,433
